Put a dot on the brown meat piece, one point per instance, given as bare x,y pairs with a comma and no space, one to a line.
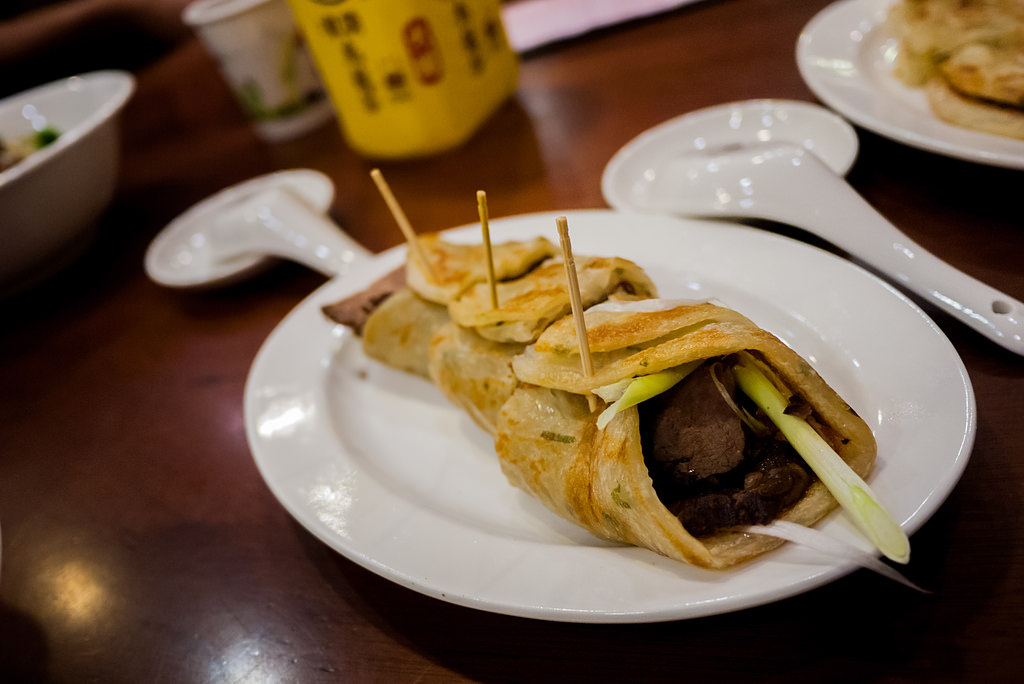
692,432
355,309
775,484
778,476
707,468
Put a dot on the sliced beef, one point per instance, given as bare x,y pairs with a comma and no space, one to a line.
691,431
355,309
707,513
773,485
708,468
779,478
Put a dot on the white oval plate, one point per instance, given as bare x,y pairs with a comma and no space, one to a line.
846,57
378,465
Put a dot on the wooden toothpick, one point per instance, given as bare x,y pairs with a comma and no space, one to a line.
577,304
404,225
481,205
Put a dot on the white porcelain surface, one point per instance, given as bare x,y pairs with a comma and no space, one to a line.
629,177
264,59
846,56
760,175
230,235
50,201
625,183
378,465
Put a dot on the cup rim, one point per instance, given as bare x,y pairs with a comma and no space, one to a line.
209,11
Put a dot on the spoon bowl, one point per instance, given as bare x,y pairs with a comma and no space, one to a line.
628,178
752,172
233,234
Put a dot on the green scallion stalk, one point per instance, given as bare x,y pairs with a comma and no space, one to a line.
852,493
631,392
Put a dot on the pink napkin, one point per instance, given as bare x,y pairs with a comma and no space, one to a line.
532,23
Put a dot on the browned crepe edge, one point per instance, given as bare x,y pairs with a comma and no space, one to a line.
974,114
398,332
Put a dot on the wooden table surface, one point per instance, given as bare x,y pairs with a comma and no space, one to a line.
140,543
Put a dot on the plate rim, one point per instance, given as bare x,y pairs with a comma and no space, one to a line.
337,287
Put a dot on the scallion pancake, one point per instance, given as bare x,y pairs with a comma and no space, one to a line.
454,267
475,374
528,305
399,330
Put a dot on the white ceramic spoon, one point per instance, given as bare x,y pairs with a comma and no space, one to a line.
765,173
231,234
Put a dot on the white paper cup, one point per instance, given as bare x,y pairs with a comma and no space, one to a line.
264,59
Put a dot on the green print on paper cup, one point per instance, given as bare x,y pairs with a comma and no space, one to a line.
264,59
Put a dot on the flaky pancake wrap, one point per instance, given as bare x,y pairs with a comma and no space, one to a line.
529,304
454,267
475,374
549,444
471,358
399,330
445,328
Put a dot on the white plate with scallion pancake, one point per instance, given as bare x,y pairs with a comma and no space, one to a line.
379,466
847,56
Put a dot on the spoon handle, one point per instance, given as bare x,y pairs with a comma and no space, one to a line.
279,223
837,213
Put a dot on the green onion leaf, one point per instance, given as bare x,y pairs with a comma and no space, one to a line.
45,136
630,392
852,493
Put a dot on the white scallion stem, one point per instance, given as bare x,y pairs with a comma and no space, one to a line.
830,546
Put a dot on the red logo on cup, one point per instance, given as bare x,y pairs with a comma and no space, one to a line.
426,58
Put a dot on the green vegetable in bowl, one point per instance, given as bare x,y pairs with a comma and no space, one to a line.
44,137
12,152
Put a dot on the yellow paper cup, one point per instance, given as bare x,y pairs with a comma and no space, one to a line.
409,77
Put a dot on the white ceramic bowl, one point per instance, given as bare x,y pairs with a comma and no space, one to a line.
51,199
